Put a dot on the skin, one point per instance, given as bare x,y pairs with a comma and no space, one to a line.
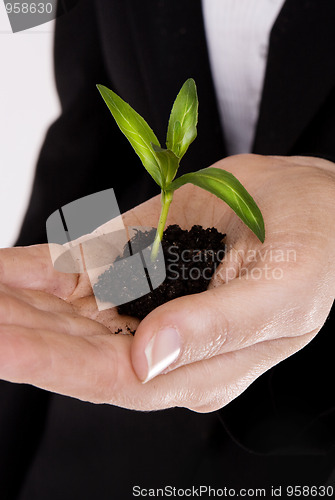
52,336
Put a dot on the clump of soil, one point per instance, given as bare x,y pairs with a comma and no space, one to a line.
191,257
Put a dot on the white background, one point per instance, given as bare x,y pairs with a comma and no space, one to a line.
28,104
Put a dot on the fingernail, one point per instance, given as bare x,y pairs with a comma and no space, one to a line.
162,350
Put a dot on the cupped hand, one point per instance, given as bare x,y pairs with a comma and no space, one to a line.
265,302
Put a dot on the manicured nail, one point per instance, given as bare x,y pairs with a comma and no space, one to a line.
162,350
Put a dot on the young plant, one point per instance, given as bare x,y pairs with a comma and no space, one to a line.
162,164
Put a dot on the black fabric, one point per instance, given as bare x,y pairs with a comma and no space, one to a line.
281,430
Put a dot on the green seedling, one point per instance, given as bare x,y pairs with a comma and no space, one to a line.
162,164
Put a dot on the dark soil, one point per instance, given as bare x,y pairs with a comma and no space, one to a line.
191,258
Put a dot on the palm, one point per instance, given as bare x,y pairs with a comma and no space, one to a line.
54,319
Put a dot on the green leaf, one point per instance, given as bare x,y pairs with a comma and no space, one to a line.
182,129
224,185
136,129
168,162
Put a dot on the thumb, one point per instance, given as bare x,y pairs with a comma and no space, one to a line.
224,319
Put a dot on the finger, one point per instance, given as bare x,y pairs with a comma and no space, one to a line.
31,267
96,368
43,311
213,383
230,317
36,298
24,307
207,385
70,365
99,370
110,318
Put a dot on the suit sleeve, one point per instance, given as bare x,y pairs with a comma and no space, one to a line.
74,158
72,163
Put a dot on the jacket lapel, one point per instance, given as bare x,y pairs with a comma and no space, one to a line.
300,73
168,44
171,47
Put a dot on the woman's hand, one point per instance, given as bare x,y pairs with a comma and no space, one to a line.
265,302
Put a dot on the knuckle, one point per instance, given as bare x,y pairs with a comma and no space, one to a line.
312,314
200,393
221,328
6,308
209,407
105,376
217,400
2,269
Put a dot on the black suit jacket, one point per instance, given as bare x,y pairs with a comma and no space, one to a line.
281,430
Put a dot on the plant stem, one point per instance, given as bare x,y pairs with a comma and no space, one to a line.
166,198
